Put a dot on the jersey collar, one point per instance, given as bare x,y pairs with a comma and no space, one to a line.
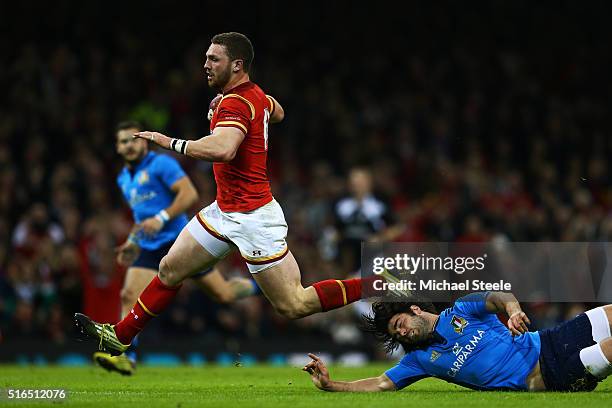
436,336
236,88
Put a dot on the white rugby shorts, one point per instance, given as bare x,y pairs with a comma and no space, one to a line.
260,235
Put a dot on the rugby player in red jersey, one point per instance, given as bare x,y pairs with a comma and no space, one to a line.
245,215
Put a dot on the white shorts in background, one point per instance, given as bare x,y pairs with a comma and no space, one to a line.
260,235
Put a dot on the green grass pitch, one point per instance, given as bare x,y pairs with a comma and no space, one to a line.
261,386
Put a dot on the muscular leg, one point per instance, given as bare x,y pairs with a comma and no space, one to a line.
283,287
261,238
222,290
185,257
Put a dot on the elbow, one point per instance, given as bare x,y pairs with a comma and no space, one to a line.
280,114
385,384
225,156
213,154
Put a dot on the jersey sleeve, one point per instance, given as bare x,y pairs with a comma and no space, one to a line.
168,170
406,372
235,111
474,304
272,104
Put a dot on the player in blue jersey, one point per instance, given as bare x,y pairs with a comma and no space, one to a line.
159,193
468,345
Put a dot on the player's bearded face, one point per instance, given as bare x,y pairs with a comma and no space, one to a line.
409,329
217,67
221,77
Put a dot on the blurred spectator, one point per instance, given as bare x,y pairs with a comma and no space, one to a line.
361,217
101,276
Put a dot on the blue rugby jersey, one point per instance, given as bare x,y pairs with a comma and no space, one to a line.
147,189
475,350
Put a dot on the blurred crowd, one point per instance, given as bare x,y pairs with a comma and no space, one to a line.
454,124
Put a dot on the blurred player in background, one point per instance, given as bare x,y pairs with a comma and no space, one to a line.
159,193
468,345
244,215
361,217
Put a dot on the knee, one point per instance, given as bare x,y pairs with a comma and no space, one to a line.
168,273
296,305
291,310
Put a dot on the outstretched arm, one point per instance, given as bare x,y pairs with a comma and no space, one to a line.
320,378
220,146
501,302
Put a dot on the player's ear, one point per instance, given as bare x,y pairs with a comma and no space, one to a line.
237,65
416,310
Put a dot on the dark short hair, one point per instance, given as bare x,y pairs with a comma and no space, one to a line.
129,124
382,312
238,46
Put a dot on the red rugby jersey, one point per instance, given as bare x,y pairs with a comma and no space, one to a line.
243,184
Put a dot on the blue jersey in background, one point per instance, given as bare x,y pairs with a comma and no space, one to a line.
147,189
475,350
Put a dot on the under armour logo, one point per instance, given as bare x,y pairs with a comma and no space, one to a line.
257,253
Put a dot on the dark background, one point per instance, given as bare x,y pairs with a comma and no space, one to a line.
478,121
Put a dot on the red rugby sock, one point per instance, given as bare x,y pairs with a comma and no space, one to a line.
152,301
337,293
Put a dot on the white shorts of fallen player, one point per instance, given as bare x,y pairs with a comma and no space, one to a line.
260,235
593,357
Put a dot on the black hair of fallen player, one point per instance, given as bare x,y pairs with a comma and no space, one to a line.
382,312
